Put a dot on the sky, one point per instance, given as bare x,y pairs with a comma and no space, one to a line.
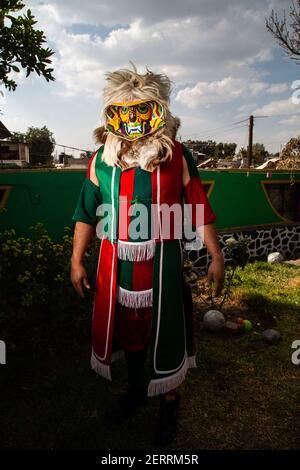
222,61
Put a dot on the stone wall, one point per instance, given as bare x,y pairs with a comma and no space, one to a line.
285,239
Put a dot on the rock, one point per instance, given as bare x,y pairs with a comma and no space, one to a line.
214,320
275,257
271,336
232,327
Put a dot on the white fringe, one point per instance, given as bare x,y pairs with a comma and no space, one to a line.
99,368
192,361
134,299
136,251
160,386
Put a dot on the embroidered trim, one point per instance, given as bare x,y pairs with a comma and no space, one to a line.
134,299
136,251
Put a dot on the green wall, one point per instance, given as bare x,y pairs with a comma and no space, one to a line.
58,192
237,199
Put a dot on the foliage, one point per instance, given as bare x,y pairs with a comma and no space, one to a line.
10,166
259,153
237,252
287,32
212,149
290,155
21,45
17,138
36,292
225,150
41,145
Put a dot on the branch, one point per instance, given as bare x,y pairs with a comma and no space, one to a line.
287,37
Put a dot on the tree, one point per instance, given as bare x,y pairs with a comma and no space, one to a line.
207,147
18,138
259,153
41,145
287,32
21,45
225,150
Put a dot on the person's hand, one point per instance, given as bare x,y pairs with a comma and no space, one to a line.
79,278
216,273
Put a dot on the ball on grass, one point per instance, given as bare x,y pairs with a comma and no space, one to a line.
271,336
247,325
214,320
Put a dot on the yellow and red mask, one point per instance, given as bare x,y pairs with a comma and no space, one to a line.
132,120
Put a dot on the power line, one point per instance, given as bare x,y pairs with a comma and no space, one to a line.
73,148
278,115
205,131
207,136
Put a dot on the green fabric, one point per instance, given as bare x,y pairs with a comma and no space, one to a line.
192,167
88,201
125,274
171,340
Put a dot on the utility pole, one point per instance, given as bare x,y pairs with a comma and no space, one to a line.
250,142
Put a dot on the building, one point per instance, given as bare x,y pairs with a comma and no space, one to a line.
12,153
72,163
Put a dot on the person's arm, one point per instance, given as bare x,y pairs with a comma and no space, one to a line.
83,234
195,194
86,220
216,270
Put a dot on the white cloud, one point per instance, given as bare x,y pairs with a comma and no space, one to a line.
291,121
285,106
221,91
187,40
278,88
204,93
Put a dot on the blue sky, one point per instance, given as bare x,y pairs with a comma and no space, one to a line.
223,63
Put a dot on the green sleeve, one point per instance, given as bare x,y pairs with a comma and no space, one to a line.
88,201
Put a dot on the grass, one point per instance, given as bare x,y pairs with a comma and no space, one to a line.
243,395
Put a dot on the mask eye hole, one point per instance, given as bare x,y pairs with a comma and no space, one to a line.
124,109
143,108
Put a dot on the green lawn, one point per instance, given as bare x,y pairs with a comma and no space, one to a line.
243,395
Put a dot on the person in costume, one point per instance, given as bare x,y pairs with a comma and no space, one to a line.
142,309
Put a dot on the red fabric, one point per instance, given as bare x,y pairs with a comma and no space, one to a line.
194,193
142,275
132,327
104,304
170,191
126,191
88,173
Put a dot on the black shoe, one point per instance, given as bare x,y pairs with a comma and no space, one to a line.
126,405
166,424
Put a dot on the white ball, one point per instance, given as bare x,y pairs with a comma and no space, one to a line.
214,320
275,257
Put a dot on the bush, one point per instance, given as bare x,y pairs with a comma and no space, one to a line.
38,305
